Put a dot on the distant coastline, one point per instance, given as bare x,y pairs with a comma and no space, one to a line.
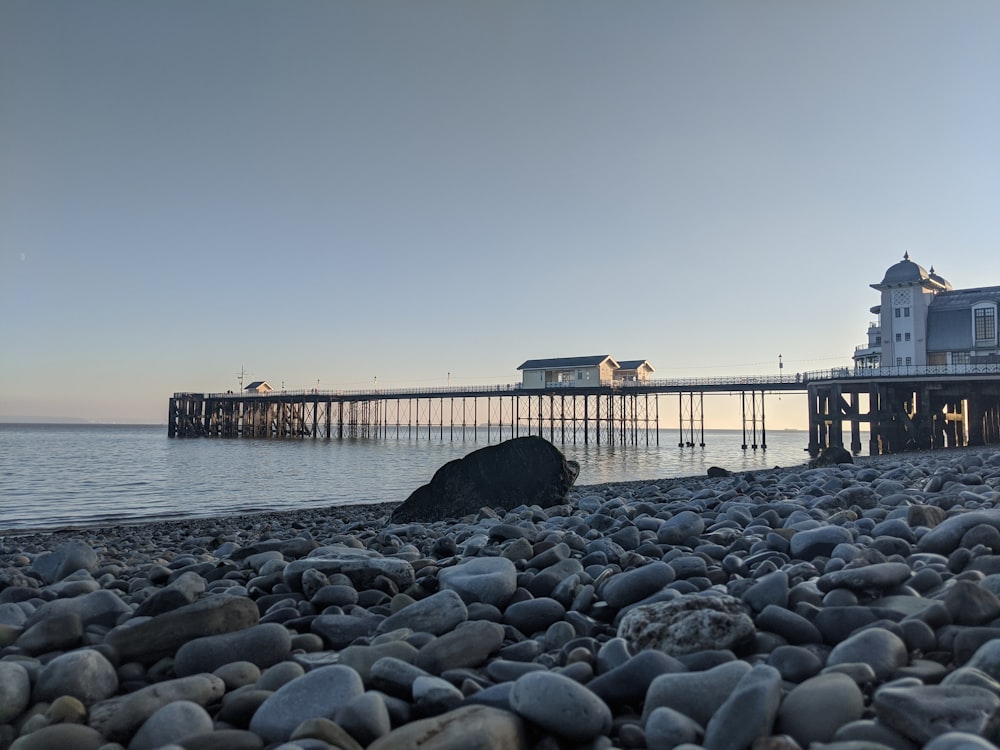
73,421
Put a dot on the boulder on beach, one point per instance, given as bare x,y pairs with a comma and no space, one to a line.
522,471
832,456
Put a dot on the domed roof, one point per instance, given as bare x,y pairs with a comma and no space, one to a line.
904,272
940,279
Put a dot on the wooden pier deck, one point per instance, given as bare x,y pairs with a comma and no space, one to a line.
902,408
615,414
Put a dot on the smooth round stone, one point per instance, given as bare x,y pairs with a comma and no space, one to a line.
84,674
65,560
160,636
471,727
75,736
959,741
819,542
334,595
119,718
814,710
791,626
365,718
628,683
884,651
748,712
971,604
361,658
239,706
689,566
635,585
666,727
324,730
468,645
436,614
490,580
924,711
434,695
878,576
505,670
66,708
867,733
680,528
561,706
172,723
770,589
987,659
262,645
58,632
972,676
340,631
836,624
276,677
533,615
687,624
237,674
518,549
315,694
103,608
944,538
395,677
15,690
695,694
795,663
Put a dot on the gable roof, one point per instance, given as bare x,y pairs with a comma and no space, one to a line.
635,364
556,363
257,385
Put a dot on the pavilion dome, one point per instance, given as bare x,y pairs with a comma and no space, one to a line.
940,280
904,272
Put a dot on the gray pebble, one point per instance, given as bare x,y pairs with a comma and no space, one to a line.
561,706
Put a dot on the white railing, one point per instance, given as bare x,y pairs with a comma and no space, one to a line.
904,371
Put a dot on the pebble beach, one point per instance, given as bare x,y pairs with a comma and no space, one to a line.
850,606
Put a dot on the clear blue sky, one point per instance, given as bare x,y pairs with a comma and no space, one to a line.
336,191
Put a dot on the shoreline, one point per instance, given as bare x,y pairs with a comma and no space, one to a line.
374,511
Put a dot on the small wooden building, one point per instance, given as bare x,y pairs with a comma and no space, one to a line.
568,372
259,386
633,371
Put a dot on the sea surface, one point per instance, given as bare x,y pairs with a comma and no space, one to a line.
54,476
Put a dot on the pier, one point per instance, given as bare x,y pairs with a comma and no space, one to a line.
900,409
905,408
609,414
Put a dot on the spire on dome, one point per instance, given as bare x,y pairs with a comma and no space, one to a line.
906,255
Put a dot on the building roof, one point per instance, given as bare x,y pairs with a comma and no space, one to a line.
949,322
908,273
634,364
939,279
257,385
557,363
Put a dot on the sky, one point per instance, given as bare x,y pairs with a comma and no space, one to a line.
343,193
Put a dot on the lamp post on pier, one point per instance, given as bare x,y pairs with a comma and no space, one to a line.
781,366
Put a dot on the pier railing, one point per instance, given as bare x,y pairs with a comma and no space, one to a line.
695,383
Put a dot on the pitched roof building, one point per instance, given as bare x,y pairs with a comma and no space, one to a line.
586,372
923,321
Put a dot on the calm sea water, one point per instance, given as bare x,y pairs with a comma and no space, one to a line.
77,475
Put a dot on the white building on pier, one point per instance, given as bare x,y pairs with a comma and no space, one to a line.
923,321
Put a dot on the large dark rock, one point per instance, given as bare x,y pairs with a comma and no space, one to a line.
831,456
528,470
